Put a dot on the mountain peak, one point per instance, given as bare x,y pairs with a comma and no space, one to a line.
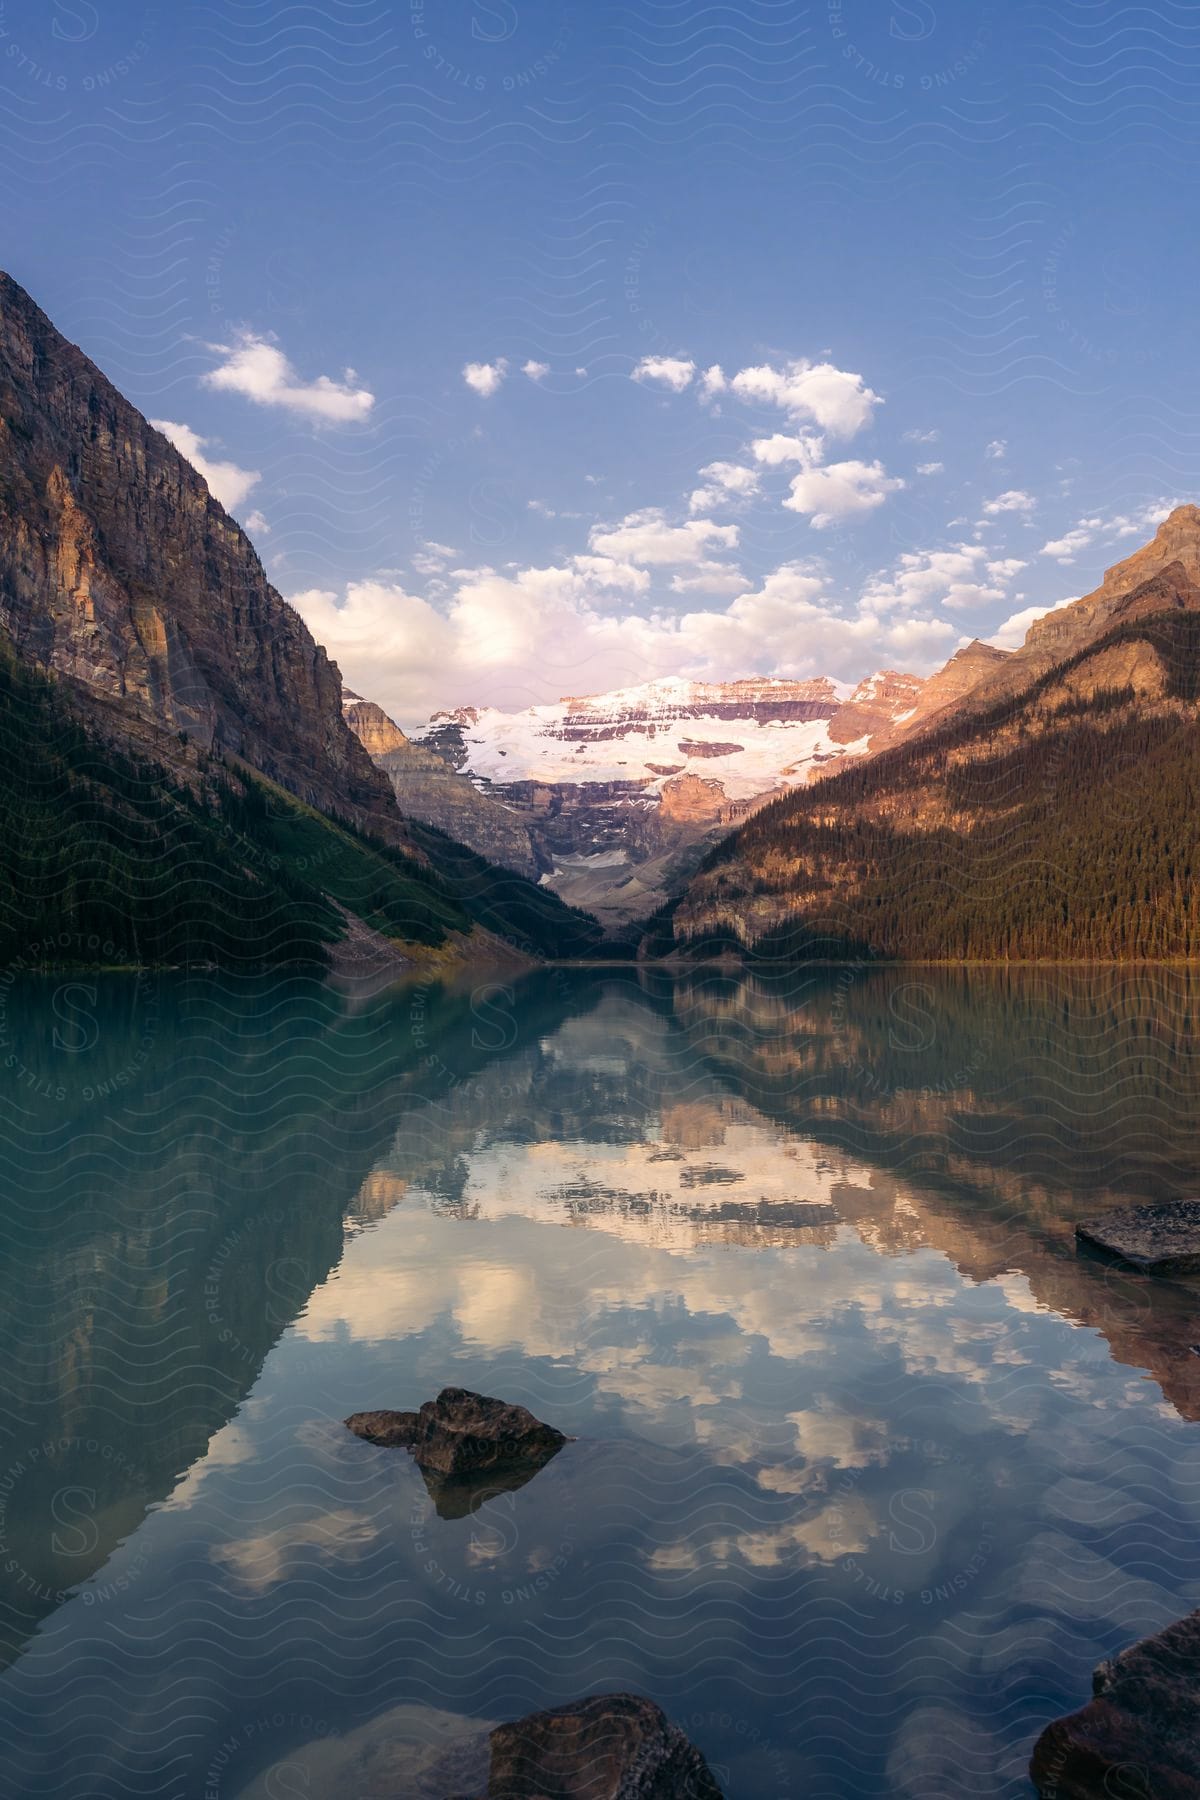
1176,540
123,576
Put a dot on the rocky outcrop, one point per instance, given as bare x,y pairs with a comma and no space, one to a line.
877,707
689,747
1140,1733
691,800
462,1434
427,787
121,575
612,1747
1162,575
968,671
468,1448
1162,1240
377,734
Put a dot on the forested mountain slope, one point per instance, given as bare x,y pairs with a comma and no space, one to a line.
1058,822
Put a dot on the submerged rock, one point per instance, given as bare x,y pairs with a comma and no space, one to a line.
1161,1240
467,1446
611,1747
1140,1734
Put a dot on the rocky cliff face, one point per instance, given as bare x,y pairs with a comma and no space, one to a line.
428,788
942,693
378,735
1173,553
121,574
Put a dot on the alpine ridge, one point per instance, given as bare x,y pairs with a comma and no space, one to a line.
1049,813
616,795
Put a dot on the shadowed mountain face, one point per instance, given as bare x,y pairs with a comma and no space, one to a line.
183,1163
148,673
121,573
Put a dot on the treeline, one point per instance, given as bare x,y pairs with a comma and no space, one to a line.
1079,839
106,859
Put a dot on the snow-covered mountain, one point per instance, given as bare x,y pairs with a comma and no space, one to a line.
622,791
748,737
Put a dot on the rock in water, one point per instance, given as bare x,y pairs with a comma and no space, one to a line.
1140,1734
1162,1240
461,1434
612,1747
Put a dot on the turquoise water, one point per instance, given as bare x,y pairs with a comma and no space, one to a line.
871,1466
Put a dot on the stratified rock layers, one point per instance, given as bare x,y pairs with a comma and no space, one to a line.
120,573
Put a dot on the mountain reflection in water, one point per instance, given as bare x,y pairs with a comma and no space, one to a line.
853,1496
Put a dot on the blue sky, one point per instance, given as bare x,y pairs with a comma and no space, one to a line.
942,256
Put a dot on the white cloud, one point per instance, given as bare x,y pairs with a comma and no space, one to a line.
257,367
674,372
536,371
712,382
484,378
1015,500
934,468
524,637
997,449
1006,567
1066,548
433,558
839,489
709,578
607,573
1011,635
935,577
725,481
1146,518
227,483
646,537
805,448
258,523
834,399
921,437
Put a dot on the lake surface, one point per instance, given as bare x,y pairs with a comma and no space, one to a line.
871,1466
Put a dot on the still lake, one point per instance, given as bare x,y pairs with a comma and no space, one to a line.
871,1465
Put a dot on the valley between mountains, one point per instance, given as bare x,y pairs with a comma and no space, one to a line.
186,780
